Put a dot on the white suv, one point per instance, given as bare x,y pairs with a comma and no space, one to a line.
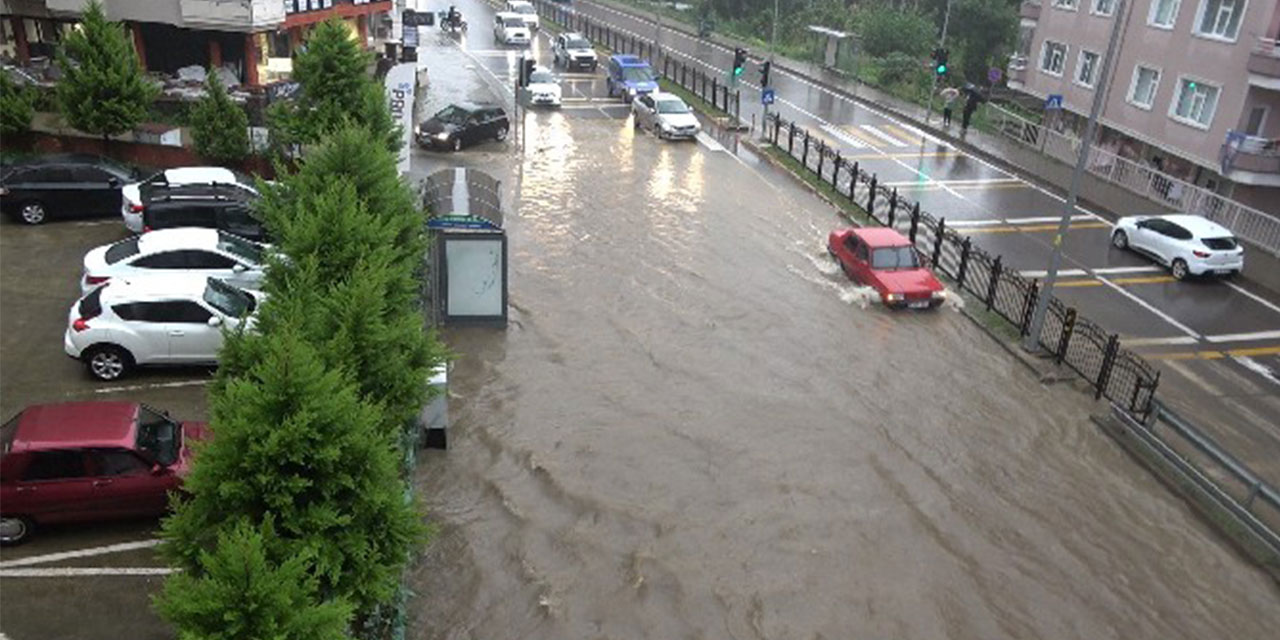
132,202
526,11
509,28
174,320
189,250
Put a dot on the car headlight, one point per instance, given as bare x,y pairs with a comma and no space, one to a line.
443,135
894,297
631,91
939,295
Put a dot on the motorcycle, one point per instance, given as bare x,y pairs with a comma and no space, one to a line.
451,24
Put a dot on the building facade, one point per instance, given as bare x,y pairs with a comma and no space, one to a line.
1194,89
253,39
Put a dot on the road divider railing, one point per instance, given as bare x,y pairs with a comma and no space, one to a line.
708,87
1116,373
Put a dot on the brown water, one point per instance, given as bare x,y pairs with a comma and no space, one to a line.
693,429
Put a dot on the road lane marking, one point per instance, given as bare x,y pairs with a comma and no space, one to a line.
82,572
1256,298
79,553
1244,337
1034,228
849,139
1068,273
905,155
709,142
1212,354
156,385
1258,368
853,133
883,136
1099,281
1153,342
1149,307
975,182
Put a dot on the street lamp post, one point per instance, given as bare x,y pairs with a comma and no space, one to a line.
942,43
773,46
1032,342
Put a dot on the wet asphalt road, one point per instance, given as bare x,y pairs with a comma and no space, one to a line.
1218,343
695,427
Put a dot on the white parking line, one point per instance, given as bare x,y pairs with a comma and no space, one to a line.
1257,367
1244,337
80,553
1149,307
844,137
1256,298
1104,271
157,385
1151,342
882,135
81,572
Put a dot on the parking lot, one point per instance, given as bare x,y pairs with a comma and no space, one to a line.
108,570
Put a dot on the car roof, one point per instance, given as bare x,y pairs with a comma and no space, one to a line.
573,34
157,286
877,237
509,14
177,238
66,158
629,60
181,175
200,191
1202,227
516,3
75,424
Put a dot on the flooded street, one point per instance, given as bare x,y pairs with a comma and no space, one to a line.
692,428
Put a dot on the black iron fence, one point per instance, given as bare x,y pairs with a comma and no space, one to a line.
712,88
1116,373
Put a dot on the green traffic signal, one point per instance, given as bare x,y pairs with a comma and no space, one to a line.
737,71
942,69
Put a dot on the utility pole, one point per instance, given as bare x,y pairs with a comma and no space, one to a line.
773,46
1032,341
942,44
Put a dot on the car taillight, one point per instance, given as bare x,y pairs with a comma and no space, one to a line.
88,279
4,191
1201,254
136,208
146,229
81,324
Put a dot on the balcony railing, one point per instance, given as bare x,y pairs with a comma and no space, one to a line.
1252,154
1264,60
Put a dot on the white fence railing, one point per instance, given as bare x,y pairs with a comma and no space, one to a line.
1267,47
1249,224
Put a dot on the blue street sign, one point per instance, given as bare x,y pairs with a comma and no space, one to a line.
1054,101
994,74
767,96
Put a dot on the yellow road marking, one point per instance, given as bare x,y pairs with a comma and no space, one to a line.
1030,228
1097,283
901,156
867,139
1211,354
899,132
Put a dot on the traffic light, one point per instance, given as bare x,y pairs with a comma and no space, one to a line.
764,73
739,61
526,71
940,61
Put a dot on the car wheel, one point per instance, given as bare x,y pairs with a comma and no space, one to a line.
1179,269
15,529
108,362
1120,240
457,144
32,213
501,134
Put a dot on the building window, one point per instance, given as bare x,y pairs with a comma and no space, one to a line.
1103,7
1143,91
1194,103
1257,120
1087,69
1052,57
1069,5
1220,18
1163,13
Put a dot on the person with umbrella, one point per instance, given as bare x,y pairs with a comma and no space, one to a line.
973,97
949,95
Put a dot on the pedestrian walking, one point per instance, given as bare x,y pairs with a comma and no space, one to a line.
949,95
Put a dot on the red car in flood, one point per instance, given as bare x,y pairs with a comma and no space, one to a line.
89,461
885,260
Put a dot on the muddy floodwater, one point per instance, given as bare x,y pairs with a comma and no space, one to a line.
692,428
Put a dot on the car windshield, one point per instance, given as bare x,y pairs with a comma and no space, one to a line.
229,300
542,77
239,247
453,115
637,74
525,9
672,106
895,258
1220,244
116,167
577,43
158,436
513,21
121,250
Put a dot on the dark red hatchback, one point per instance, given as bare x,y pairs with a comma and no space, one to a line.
88,461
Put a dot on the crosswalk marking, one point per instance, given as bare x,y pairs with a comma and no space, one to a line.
883,136
846,138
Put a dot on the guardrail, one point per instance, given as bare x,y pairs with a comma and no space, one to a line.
1251,225
1115,372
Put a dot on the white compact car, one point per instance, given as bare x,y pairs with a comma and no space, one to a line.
189,250
173,320
574,51
666,115
132,203
1188,245
526,11
509,28
544,88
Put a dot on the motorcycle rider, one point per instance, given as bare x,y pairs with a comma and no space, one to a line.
455,18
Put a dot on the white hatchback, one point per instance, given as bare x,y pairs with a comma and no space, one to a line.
132,202
191,250
173,320
527,12
544,88
509,28
1189,245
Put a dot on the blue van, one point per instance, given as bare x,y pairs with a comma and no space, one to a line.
630,76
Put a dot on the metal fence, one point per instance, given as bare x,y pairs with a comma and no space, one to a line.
694,78
1116,373
1249,224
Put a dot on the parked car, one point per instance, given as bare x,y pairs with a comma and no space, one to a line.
1188,245
188,250
462,125
630,76
63,186
886,261
544,88
666,115
224,207
132,206
160,320
574,51
87,462
509,28
525,10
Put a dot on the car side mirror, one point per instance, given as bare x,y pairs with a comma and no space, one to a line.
113,181
238,268
215,321
1142,224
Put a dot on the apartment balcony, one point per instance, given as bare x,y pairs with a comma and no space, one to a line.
1264,64
232,15
1016,73
1252,160
1029,11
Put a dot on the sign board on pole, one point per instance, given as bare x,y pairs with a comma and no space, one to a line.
994,74
1053,102
410,35
767,96
399,85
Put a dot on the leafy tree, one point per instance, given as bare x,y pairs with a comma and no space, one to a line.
986,30
294,442
334,89
16,106
238,593
887,30
219,126
103,90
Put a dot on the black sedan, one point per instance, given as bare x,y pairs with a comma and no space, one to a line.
462,125
63,186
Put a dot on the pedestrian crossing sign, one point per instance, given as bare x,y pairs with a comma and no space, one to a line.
1054,101
767,96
